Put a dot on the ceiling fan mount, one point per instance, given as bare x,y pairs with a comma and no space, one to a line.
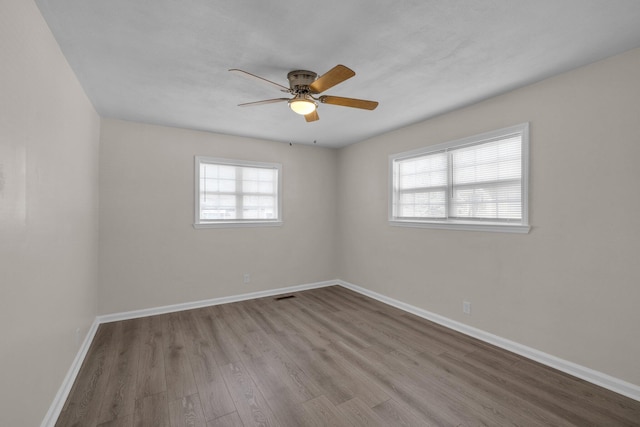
300,80
304,84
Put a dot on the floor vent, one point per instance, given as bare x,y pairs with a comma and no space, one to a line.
285,297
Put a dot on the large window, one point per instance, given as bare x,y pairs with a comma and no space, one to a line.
476,183
231,193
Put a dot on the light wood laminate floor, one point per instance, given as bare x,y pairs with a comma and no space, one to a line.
327,357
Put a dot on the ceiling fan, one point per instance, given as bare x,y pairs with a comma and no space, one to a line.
303,85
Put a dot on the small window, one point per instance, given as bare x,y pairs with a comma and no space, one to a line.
476,183
233,193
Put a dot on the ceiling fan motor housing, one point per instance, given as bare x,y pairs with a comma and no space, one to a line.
299,80
303,84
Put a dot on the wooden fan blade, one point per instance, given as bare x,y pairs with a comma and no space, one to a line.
349,102
312,117
260,79
266,101
336,75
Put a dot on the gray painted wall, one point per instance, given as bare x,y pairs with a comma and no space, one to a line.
570,287
150,254
49,135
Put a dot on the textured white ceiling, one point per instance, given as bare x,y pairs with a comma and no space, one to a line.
165,61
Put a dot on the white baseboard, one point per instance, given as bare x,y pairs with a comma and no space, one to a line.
56,407
614,384
209,302
599,378
58,402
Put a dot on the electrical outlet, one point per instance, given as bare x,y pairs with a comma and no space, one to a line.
466,307
246,278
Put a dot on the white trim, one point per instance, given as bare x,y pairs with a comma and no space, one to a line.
522,128
231,224
614,384
63,392
106,318
596,377
58,402
502,228
198,224
521,226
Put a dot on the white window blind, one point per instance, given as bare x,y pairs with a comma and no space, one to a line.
237,192
479,180
421,187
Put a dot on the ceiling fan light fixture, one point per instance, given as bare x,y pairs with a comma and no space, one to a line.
302,105
303,84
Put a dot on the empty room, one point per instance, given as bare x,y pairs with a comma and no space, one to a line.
293,213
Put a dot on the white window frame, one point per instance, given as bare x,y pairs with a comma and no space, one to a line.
198,223
521,226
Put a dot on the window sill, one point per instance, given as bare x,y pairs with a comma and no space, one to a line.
464,226
237,224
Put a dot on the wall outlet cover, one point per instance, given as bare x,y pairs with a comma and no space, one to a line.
466,307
